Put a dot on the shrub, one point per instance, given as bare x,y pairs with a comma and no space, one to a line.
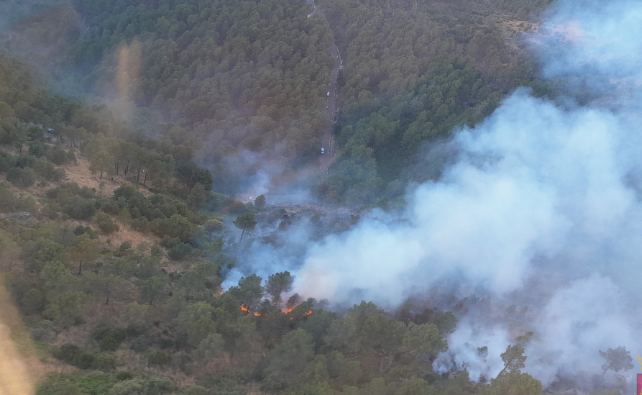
38,150
74,355
84,360
152,386
106,224
48,171
158,358
71,157
122,376
57,156
169,242
67,352
10,203
79,208
140,225
22,178
58,175
176,226
110,207
58,387
140,344
33,301
6,162
214,225
179,251
25,161
81,230
125,245
196,390
109,338
43,331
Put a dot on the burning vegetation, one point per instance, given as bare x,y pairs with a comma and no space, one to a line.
285,312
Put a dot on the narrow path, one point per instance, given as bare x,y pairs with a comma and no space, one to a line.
329,149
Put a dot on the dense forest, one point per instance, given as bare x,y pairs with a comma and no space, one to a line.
228,78
122,282
117,228
414,72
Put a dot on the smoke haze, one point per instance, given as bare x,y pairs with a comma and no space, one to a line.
542,207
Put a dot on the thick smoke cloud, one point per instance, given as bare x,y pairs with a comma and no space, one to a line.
540,190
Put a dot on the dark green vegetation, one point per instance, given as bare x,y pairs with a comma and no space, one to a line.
224,75
128,273
141,322
413,72
221,77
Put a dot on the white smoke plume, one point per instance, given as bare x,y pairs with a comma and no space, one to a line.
542,207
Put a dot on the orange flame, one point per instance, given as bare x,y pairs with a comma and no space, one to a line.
265,315
255,314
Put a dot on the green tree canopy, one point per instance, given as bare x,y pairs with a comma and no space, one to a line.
245,222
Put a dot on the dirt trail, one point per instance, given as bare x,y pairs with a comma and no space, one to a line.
330,151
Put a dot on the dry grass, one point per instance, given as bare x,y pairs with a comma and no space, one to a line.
80,174
98,314
125,233
254,389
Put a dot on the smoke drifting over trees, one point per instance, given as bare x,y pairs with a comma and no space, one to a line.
542,206
514,269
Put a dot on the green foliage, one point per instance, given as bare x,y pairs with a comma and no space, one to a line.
318,325
209,348
45,169
10,203
179,251
105,223
245,222
446,322
289,358
196,321
76,356
514,382
366,328
66,309
513,358
277,284
6,162
214,225
249,291
101,162
176,226
43,331
109,338
89,383
196,390
57,155
151,386
259,202
158,358
32,302
221,56
20,177
415,73
125,246
153,289
425,340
